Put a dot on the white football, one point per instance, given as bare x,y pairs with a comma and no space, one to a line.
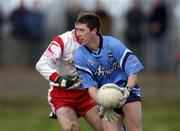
110,96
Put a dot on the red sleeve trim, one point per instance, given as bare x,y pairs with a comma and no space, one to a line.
60,42
53,77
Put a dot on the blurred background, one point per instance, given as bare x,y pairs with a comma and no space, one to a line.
150,28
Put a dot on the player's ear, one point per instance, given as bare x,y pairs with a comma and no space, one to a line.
94,31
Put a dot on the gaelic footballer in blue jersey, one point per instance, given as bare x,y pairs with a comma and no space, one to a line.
105,59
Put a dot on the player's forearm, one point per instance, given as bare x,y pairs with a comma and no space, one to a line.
93,93
43,67
132,80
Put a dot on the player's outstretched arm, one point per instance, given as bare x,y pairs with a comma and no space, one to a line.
132,80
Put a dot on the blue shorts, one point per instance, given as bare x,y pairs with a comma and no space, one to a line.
132,97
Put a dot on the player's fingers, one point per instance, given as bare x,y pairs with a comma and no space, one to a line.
110,118
105,118
113,116
116,116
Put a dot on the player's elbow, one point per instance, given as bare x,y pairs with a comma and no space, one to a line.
38,66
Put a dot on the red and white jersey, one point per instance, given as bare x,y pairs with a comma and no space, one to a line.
56,60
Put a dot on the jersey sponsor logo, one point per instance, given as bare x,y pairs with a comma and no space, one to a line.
52,51
100,71
52,48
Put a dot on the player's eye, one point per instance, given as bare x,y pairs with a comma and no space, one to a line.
81,30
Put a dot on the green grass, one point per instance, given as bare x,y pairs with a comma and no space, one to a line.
24,107
161,118
28,113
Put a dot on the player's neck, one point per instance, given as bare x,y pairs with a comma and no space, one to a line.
94,44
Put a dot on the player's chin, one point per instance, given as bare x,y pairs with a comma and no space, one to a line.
82,42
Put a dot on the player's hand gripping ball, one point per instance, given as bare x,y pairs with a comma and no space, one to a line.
111,96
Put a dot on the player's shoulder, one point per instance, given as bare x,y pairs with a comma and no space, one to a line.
68,35
79,51
62,37
79,54
108,37
112,41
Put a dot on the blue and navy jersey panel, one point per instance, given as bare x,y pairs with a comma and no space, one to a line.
111,63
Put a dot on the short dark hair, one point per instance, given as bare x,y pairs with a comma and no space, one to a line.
91,19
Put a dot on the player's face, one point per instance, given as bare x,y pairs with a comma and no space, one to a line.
84,34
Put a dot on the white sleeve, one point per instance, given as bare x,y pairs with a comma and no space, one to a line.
46,65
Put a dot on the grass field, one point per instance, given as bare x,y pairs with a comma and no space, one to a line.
24,107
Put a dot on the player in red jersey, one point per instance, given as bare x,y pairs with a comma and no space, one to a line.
68,100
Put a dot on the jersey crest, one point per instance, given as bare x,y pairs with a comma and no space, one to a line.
111,57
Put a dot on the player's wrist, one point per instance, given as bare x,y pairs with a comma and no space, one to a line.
54,76
64,81
59,81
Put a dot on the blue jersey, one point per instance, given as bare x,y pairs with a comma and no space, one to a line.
113,62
